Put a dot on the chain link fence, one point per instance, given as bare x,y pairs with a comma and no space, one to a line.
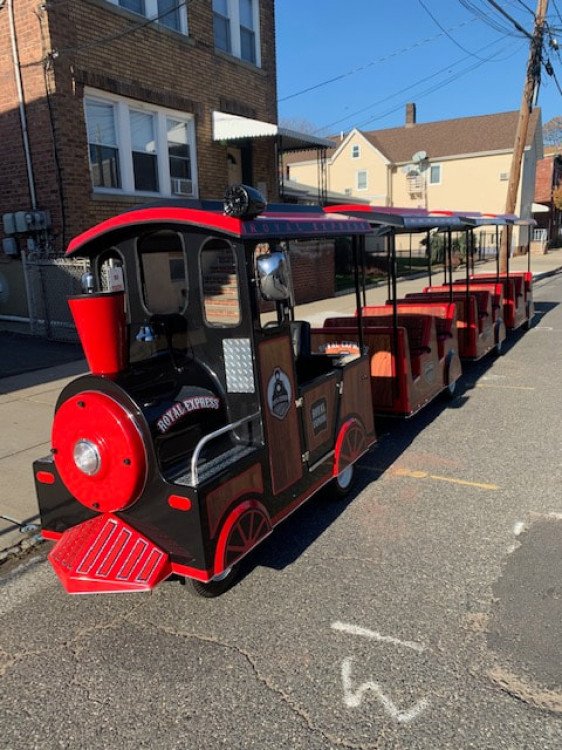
50,280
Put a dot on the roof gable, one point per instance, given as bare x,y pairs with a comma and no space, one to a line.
461,136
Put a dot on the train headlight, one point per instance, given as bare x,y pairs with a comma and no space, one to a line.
87,457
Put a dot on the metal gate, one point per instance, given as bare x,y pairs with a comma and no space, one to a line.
49,282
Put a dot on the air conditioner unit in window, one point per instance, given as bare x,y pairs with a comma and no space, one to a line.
181,186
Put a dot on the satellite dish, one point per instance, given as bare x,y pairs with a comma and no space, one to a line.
419,156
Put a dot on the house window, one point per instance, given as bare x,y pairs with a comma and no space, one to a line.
179,154
236,28
170,13
435,174
221,25
143,144
102,145
355,152
362,179
137,148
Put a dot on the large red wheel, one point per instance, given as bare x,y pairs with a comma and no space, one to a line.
247,525
350,445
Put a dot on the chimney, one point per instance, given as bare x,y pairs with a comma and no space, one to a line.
410,114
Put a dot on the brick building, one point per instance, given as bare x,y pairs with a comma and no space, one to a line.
548,180
105,104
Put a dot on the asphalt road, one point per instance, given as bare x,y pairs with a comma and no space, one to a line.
423,612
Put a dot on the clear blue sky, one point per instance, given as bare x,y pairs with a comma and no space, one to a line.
322,39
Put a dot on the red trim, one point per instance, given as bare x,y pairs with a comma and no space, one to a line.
185,570
45,477
179,503
227,526
267,224
53,536
288,509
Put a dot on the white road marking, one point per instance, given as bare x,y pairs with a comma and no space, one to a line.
344,627
353,698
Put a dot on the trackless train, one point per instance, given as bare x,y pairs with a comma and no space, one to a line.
210,413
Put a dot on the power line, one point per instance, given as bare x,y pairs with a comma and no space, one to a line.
423,80
527,8
440,85
401,91
557,11
490,21
510,18
438,24
379,60
103,40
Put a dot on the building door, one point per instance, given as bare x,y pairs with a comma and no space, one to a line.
234,162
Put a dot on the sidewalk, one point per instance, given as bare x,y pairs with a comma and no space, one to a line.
27,403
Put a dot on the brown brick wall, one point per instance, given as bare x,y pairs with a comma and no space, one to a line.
543,180
312,265
152,65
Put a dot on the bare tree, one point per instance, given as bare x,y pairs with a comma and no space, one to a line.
298,124
552,132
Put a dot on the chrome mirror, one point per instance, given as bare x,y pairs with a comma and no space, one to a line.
274,276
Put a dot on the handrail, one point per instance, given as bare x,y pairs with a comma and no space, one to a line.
211,436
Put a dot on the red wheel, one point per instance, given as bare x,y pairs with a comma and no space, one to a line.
351,444
242,530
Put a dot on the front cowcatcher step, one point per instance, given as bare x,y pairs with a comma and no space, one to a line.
106,555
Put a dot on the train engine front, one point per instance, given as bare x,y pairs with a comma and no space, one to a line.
158,415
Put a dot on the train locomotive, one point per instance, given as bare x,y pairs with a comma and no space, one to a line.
203,422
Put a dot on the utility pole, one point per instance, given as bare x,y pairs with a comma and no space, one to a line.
532,80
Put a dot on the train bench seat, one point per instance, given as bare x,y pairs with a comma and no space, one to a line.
445,314
483,299
418,329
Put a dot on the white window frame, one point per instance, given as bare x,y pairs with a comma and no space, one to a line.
151,11
122,108
356,151
362,172
440,180
233,7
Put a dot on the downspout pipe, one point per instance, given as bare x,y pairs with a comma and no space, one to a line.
21,104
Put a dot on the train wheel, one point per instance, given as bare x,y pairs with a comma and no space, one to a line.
350,445
218,585
344,480
451,390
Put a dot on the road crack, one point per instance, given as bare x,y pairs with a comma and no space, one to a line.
266,681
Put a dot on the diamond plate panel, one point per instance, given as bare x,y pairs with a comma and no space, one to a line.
239,366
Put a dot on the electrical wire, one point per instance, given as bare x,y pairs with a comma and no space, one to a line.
492,22
415,84
104,40
438,24
437,87
515,23
379,60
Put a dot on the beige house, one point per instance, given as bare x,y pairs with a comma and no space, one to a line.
460,164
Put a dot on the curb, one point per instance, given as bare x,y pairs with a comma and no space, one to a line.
18,549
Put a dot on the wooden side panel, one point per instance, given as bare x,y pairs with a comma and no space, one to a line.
319,416
249,482
278,393
356,395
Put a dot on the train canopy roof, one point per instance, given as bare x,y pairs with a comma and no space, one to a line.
283,221
403,220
